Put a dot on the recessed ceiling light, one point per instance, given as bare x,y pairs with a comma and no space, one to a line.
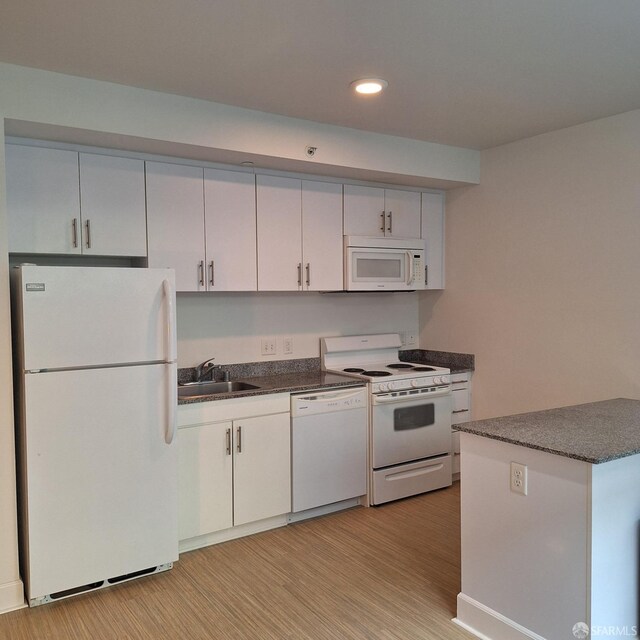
369,86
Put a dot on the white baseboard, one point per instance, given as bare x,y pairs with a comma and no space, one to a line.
231,534
487,624
12,596
325,509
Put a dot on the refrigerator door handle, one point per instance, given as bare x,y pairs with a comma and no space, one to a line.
169,322
172,391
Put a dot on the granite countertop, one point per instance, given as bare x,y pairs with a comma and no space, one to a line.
456,362
595,432
281,383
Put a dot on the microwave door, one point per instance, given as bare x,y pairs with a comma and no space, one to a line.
377,270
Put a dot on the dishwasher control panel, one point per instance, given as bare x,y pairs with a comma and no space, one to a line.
329,401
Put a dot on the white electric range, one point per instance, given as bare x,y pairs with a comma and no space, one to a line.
409,418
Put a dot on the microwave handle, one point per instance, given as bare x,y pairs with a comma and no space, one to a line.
411,275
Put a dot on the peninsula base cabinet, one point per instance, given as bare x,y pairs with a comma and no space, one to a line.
234,468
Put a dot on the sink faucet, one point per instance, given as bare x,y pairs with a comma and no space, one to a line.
204,369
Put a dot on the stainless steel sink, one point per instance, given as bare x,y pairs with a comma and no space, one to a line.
198,389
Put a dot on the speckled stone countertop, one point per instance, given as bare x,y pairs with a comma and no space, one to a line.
457,362
284,376
595,432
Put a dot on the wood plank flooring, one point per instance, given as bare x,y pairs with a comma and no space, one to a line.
388,573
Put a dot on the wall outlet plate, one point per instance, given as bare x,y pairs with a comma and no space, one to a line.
287,345
518,478
411,339
268,346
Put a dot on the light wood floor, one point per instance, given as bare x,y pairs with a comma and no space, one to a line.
390,572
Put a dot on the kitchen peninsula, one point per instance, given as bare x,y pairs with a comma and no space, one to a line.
552,547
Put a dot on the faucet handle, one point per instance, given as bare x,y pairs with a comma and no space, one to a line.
203,367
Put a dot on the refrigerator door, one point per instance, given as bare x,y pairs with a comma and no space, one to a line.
101,483
73,317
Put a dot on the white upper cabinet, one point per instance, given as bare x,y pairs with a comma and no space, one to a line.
433,236
322,251
373,211
402,210
230,223
43,200
299,235
279,233
175,222
112,202
62,202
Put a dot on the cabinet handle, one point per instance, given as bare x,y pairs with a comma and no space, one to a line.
228,442
87,226
201,273
390,227
426,275
239,438
299,274
382,227
211,272
460,411
74,233
308,268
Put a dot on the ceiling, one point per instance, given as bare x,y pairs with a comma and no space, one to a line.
469,73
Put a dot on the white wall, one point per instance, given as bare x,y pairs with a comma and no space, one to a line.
543,270
230,326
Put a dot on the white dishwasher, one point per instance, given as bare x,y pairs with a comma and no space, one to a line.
328,447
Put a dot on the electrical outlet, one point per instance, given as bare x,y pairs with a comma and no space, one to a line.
268,346
519,478
287,345
411,338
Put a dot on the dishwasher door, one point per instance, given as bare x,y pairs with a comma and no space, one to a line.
328,447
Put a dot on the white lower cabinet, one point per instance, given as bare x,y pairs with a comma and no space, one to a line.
234,467
461,412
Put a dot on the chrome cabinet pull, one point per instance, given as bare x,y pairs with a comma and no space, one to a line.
382,227
211,273
390,227
201,273
460,411
239,438
228,442
299,274
87,226
426,275
74,233
308,268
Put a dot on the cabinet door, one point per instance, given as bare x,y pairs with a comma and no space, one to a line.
279,234
43,200
363,211
112,201
205,479
175,222
262,471
433,235
322,236
230,222
402,210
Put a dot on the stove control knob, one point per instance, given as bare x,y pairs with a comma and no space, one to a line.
437,380
383,387
446,380
392,385
415,383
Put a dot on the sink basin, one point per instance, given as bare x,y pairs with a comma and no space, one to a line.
197,389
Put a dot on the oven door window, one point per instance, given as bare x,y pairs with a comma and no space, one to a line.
423,415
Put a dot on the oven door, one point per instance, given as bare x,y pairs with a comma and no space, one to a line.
371,269
410,429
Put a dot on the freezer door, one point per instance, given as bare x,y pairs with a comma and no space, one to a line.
101,480
91,316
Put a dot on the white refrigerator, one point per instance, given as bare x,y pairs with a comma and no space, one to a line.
95,376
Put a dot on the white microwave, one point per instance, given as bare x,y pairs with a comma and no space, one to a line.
383,264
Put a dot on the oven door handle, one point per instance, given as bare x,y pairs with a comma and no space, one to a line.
411,398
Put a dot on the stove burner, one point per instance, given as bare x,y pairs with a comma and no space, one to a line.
376,374
400,365
353,370
424,369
